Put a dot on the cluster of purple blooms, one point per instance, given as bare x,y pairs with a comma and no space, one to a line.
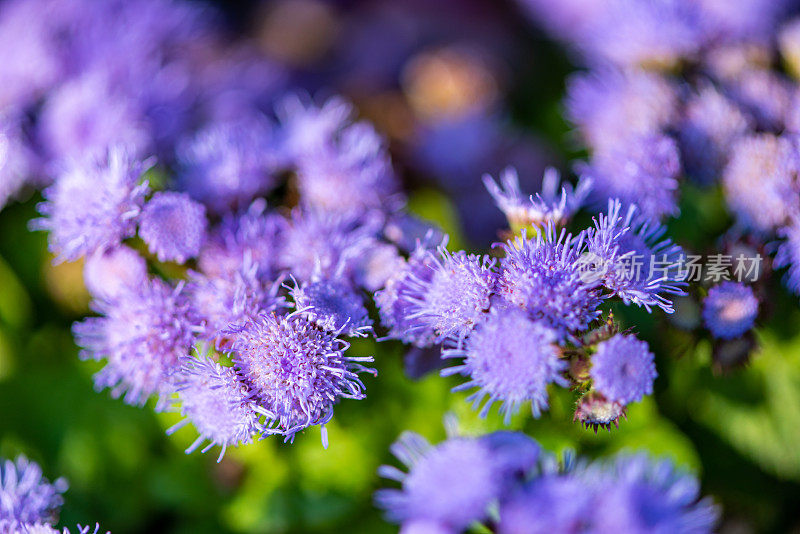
507,483
29,503
697,91
533,317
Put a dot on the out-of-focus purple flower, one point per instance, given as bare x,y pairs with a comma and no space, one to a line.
173,226
623,369
543,276
85,116
760,181
511,359
730,309
93,204
226,165
551,205
637,494
642,171
111,272
26,496
333,306
376,266
609,106
516,455
745,20
217,403
568,19
407,231
453,297
16,158
548,504
788,255
254,236
708,128
296,371
767,96
143,335
322,244
452,483
307,128
633,261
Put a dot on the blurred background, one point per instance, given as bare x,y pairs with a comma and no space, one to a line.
460,88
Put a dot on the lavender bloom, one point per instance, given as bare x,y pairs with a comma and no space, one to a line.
746,20
407,231
452,483
143,335
295,371
333,306
452,298
643,171
93,204
549,504
623,369
510,359
26,496
636,494
252,237
709,126
730,309
217,403
85,116
760,181
551,205
765,95
788,255
543,276
567,19
227,165
635,263
16,158
307,128
377,266
608,106
173,226
107,274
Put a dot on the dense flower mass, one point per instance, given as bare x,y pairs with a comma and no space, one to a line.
730,309
623,369
451,486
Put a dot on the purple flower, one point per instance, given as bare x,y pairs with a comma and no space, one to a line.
642,171
788,255
543,276
26,496
254,237
609,106
552,503
760,181
16,158
765,95
143,335
332,306
107,274
623,369
709,126
93,204
376,266
551,205
296,371
173,226
745,20
452,483
730,309
511,359
217,403
307,128
227,165
634,262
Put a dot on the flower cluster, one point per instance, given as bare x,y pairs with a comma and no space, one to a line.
534,316
29,503
505,479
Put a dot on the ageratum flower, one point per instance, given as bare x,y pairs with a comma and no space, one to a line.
16,159
543,276
26,496
93,205
296,371
623,369
452,483
637,494
730,309
227,165
217,403
109,273
788,255
765,95
510,359
333,306
307,128
760,181
143,335
453,298
635,263
551,205
552,503
608,106
173,226
709,126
